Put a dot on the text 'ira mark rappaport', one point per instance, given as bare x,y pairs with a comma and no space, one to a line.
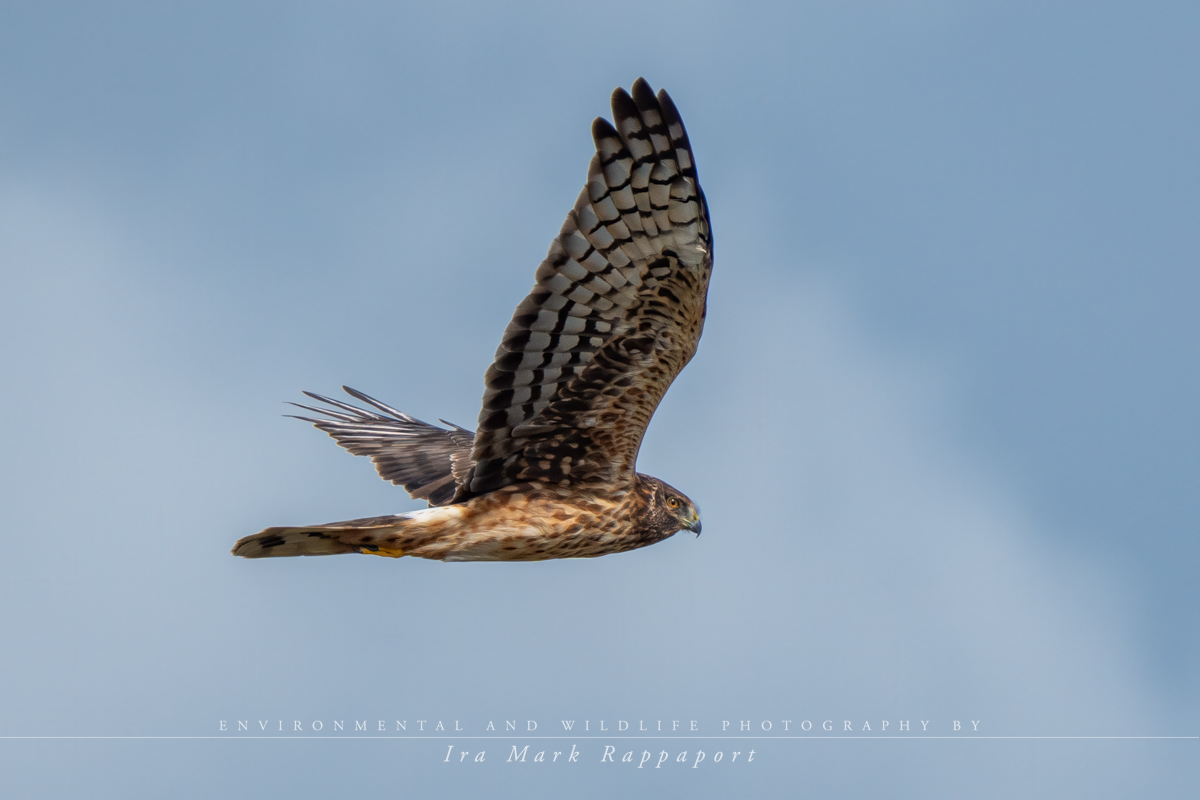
609,755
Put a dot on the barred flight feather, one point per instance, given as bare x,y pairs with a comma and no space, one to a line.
640,225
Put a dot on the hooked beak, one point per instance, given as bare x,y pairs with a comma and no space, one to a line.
693,526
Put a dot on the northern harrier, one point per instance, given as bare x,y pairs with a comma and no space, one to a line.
615,314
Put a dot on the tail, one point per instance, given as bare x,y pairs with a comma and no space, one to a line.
378,536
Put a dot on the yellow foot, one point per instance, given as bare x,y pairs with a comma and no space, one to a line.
389,552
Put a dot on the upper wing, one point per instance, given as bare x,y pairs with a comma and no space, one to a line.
430,462
615,315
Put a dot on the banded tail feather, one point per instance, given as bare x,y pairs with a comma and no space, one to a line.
374,536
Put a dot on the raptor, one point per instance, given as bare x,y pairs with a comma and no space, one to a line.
614,316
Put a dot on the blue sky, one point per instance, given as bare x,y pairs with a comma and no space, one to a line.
942,423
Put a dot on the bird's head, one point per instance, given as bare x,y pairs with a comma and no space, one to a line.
670,510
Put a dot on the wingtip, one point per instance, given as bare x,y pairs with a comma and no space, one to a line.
641,91
320,397
603,129
623,106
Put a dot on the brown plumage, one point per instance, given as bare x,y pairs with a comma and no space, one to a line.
615,315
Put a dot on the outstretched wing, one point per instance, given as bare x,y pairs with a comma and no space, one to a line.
615,315
428,461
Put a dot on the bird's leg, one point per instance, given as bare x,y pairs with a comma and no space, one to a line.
381,550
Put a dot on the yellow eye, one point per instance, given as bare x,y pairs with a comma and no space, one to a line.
673,502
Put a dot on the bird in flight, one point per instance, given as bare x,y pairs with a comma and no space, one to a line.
614,316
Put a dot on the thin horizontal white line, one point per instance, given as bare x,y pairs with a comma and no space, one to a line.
576,738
